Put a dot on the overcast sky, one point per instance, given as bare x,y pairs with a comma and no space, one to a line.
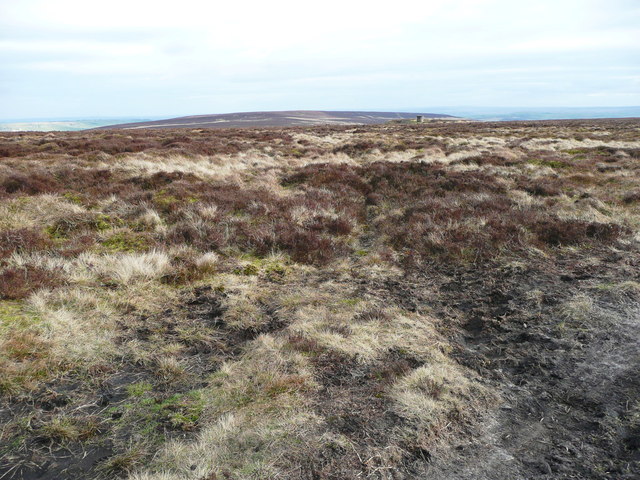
68,58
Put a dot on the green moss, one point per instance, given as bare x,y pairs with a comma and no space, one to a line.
275,271
294,152
100,222
350,301
576,151
12,315
126,242
164,200
54,232
139,389
73,198
105,222
272,269
148,415
249,269
548,163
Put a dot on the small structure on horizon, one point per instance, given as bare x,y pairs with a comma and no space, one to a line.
419,118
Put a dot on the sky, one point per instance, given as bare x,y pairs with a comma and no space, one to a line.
79,58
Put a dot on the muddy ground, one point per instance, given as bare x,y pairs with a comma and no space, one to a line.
568,391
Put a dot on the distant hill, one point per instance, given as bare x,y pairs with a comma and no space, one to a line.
277,119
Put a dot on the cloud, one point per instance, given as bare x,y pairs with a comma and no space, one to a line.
42,47
216,56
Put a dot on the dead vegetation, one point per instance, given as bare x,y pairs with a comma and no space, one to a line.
329,302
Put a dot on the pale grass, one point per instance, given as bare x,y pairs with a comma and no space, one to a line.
331,158
476,142
465,167
629,287
77,323
207,260
303,216
392,156
152,220
241,304
578,309
87,267
431,392
243,433
138,352
149,164
80,321
534,171
36,211
524,200
337,328
42,260
114,206
627,291
169,368
557,144
207,211
242,312
144,297
370,266
318,140
207,167
128,267
459,156
250,447
589,210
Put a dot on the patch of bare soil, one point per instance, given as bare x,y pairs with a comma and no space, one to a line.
354,403
107,398
569,389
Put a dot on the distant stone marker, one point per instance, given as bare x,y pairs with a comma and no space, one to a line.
419,118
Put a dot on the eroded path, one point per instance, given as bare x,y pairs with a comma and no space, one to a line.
561,346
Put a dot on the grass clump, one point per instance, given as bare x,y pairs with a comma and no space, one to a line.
24,352
125,462
179,411
139,389
64,430
548,163
435,394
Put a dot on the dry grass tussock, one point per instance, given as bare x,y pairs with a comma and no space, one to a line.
269,303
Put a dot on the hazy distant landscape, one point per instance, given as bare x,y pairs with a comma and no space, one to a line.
541,113
290,118
65,125
473,113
